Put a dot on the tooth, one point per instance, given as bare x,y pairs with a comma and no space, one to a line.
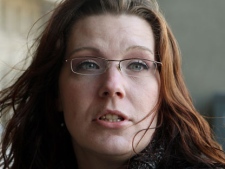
111,118
108,116
115,117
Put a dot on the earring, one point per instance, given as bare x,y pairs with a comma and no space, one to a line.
62,124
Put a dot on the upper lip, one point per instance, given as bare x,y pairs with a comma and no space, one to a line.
114,112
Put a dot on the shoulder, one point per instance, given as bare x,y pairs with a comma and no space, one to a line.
206,167
182,163
194,166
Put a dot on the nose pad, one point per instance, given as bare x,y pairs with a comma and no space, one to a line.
119,67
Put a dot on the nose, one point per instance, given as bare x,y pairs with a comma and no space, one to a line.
113,83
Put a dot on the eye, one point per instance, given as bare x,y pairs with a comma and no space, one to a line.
137,65
87,65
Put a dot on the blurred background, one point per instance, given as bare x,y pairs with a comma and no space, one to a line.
198,26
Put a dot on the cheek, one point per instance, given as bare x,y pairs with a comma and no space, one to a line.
72,94
74,101
144,97
145,91
76,95
68,94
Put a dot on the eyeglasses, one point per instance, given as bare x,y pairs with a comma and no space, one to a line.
95,65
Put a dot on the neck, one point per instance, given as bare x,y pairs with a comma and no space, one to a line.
88,159
94,162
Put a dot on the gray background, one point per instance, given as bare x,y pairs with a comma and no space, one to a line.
198,26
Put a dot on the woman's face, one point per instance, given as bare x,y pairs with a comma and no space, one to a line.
90,103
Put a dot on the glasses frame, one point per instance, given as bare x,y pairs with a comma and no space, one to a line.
108,61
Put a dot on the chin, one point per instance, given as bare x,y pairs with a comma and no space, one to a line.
122,153
119,148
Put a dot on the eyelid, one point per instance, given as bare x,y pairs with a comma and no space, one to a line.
139,61
89,60
85,56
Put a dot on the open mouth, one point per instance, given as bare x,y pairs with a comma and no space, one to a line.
111,118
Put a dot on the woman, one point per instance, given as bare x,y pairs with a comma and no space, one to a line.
105,90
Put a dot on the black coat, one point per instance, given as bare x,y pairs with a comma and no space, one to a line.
154,156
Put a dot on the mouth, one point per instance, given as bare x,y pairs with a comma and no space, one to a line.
112,118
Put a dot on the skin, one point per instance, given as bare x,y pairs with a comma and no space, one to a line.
84,99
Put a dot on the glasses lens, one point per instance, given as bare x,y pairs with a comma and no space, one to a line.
138,67
88,65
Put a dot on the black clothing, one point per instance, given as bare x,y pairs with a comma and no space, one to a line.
153,157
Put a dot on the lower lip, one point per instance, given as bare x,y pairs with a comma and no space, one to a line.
112,125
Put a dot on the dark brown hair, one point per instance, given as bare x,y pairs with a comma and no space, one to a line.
34,138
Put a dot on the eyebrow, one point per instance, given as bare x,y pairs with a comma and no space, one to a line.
141,48
84,48
89,48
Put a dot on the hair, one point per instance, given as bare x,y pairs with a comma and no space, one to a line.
33,137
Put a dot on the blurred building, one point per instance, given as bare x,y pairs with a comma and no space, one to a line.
16,19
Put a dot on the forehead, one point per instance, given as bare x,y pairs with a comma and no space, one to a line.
111,33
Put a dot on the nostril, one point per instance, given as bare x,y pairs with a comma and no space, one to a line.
106,94
118,94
